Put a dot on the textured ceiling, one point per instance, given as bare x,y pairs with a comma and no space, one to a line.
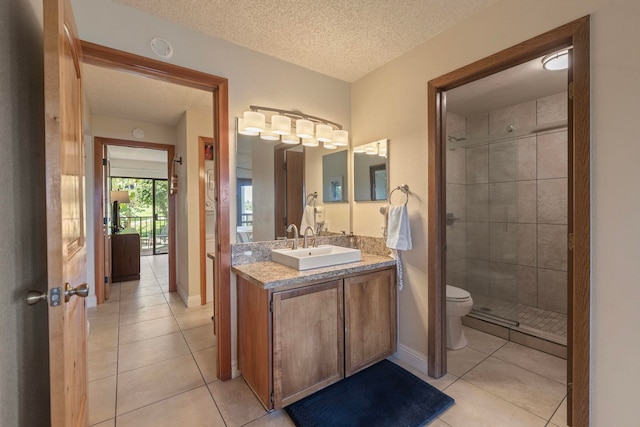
345,39
130,96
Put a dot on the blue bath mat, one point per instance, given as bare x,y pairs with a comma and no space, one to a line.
383,395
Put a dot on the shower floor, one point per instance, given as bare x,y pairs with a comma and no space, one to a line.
546,323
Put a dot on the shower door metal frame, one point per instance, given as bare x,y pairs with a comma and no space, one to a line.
576,35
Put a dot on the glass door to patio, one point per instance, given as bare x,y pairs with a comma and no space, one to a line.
147,212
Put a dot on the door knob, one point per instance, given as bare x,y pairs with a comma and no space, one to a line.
34,297
80,290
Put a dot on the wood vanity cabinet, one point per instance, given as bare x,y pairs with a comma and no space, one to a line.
369,319
294,342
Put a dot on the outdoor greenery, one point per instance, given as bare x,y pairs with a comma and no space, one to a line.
138,214
141,196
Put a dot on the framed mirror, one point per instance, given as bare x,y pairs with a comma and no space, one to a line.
370,171
334,177
272,182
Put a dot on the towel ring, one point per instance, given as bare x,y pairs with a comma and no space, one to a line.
403,188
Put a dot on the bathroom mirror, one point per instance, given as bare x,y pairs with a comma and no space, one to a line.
334,177
268,197
370,171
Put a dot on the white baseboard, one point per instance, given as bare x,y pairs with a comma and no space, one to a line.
235,372
412,358
189,301
91,301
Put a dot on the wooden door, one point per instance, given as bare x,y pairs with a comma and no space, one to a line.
66,251
369,319
308,340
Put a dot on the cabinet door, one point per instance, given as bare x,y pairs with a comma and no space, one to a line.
370,319
308,351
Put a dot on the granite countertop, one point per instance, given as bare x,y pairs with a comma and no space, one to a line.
271,274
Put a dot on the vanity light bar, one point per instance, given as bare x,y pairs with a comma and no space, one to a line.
311,129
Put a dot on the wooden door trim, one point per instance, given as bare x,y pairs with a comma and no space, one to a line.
99,149
219,87
574,34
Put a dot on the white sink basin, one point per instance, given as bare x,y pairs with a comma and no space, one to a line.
322,256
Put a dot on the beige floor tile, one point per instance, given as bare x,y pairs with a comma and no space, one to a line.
483,342
103,321
148,329
236,402
109,307
194,319
103,339
144,282
478,408
152,350
201,337
114,293
193,408
440,383
461,361
535,361
559,419
108,423
152,383
102,364
529,391
138,292
207,361
145,313
133,304
438,423
102,400
278,418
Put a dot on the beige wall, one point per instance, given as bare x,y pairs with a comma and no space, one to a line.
615,203
192,125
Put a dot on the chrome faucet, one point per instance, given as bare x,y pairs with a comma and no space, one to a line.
295,235
315,239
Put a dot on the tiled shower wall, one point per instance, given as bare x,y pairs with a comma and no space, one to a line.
510,201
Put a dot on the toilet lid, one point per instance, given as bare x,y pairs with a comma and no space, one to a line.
454,293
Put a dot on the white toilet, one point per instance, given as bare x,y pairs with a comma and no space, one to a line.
459,303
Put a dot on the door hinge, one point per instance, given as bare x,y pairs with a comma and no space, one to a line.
104,162
271,306
569,391
106,279
105,221
571,89
571,241
273,398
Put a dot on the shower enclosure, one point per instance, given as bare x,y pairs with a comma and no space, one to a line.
506,204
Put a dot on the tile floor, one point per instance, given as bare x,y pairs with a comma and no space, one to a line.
152,363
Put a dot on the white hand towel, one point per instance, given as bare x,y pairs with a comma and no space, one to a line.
398,231
308,216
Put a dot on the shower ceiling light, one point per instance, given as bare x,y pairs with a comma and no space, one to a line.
310,129
556,61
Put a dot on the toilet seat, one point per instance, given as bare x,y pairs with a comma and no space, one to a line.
457,294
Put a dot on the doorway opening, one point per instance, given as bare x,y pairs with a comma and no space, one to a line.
576,35
218,87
